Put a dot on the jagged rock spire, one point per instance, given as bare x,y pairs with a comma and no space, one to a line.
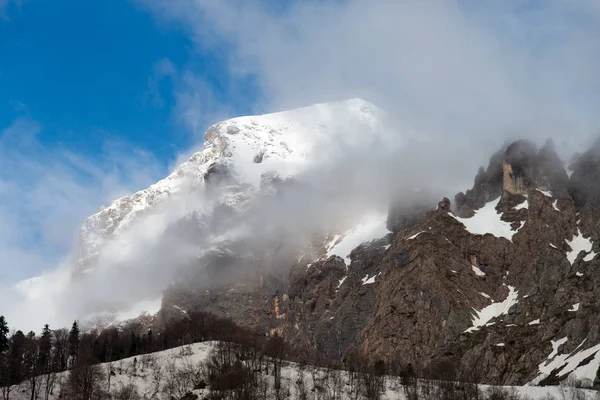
515,169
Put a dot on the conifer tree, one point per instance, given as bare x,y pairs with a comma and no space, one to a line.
31,363
4,365
15,358
3,335
45,349
74,342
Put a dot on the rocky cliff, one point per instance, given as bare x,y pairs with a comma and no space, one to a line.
502,285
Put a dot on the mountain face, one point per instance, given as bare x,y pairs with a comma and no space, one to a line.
500,286
241,155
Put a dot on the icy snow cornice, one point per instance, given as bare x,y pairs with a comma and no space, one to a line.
249,146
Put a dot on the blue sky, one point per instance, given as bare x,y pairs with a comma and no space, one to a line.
94,104
101,98
86,70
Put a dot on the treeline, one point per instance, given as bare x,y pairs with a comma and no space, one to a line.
37,359
242,365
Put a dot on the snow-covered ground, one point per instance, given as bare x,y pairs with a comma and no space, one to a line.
150,374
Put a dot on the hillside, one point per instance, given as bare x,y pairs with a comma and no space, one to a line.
174,373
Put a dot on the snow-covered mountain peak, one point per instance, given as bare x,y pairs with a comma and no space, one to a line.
283,143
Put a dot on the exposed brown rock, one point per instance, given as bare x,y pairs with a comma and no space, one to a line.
426,288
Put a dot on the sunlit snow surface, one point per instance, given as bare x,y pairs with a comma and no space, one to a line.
148,373
487,220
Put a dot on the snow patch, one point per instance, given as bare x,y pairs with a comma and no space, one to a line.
523,205
545,193
566,364
415,235
555,205
574,307
588,371
477,271
485,295
494,310
534,322
487,220
373,226
578,244
578,273
367,281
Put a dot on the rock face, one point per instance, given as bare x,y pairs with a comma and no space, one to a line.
504,289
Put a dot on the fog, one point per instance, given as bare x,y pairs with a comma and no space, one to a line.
457,81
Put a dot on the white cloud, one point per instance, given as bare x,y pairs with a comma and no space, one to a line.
163,69
47,190
468,77
473,72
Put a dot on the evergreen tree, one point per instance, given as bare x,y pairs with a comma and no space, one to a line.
3,335
31,363
74,342
45,346
4,347
150,343
15,358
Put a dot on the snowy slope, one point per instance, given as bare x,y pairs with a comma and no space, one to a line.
123,262
150,373
284,142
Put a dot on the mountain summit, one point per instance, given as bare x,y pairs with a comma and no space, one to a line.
243,150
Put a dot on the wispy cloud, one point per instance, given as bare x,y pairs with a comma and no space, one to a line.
474,72
466,76
163,70
47,190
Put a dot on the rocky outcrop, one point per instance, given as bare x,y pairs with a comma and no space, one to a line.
515,170
488,298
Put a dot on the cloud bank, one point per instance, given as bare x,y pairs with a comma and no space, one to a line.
465,77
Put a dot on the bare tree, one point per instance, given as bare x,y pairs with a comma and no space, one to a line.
84,381
49,380
126,392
